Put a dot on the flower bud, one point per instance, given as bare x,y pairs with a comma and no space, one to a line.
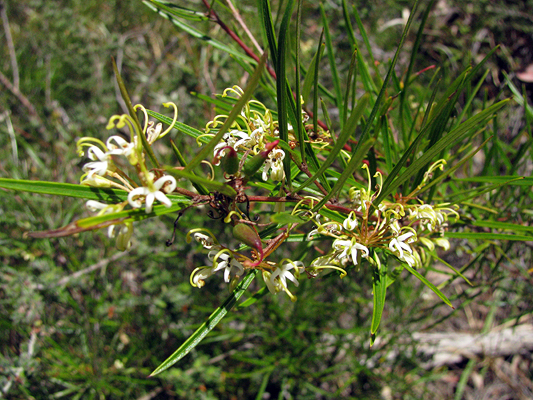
257,161
230,161
247,235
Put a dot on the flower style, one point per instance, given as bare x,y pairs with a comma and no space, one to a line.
349,250
153,192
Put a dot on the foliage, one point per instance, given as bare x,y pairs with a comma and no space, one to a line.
364,178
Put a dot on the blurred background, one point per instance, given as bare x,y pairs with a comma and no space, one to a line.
78,319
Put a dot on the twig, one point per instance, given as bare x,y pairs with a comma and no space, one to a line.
239,19
214,16
10,46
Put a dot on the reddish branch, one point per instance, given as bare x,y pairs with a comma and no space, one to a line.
214,17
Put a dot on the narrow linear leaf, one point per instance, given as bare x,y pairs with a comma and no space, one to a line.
65,189
247,95
503,225
346,133
207,326
124,92
220,187
429,285
153,5
503,179
488,236
379,285
448,140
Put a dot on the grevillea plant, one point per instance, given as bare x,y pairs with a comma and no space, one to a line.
357,194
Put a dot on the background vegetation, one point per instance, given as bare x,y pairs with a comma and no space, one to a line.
79,320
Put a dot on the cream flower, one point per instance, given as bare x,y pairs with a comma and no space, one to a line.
274,162
123,148
100,162
349,249
282,273
229,264
399,244
153,193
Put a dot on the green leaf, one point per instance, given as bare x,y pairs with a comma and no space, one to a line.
488,236
181,12
154,5
449,140
379,285
503,225
65,189
220,187
284,94
503,179
247,95
429,285
285,218
346,133
332,63
207,326
106,195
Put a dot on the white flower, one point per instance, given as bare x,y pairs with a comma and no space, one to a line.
229,264
199,275
398,245
349,250
205,240
234,139
125,231
93,205
122,148
274,162
153,193
152,134
96,167
351,222
428,216
281,273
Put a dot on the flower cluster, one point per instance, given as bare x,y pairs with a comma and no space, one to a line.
386,227
361,230
103,171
